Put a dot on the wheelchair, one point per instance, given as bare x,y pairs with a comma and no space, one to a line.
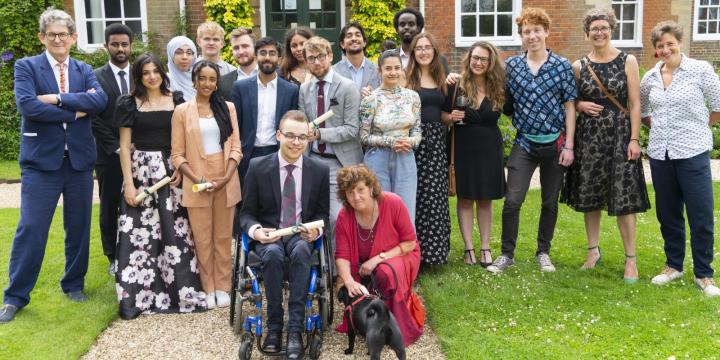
246,309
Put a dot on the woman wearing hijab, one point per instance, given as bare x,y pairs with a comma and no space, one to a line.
181,54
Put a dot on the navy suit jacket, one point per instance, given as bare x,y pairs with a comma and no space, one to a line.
43,138
245,97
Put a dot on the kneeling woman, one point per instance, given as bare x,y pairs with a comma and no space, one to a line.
376,240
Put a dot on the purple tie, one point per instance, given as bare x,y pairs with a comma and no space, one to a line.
321,108
288,199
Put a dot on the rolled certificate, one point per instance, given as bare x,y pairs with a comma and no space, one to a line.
296,229
151,190
201,187
321,119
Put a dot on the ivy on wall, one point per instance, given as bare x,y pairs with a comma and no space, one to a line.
230,14
376,17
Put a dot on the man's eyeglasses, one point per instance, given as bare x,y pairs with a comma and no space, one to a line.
293,137
313,59
62,36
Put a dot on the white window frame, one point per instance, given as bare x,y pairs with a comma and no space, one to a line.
81,24
637,41
466,41
702,37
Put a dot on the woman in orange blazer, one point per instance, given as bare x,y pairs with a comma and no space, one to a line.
206,149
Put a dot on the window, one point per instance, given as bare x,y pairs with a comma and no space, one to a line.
487,20
628,30
706,24
92,16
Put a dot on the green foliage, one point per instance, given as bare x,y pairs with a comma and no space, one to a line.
230,14
376,17
182,24
715,153
508,132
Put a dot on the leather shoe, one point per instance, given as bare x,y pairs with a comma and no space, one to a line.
7,313
77,296
295,346
272,341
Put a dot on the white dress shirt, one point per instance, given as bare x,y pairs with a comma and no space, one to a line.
126,77
267,99
56,71
242,75
404,58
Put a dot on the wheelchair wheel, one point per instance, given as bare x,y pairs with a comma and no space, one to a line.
239,319
315,347
326,309
236,311
245,349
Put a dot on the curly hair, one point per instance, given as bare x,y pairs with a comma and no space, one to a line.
599,14
349,177
494,77
534,16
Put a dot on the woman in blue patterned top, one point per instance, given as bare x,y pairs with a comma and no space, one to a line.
390,129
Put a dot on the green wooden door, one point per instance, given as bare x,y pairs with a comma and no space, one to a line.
322,16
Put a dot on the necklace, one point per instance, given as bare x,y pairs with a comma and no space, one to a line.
372,227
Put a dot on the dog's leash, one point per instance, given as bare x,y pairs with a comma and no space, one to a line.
373,282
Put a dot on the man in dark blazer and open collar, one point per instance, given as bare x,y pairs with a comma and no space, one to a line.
242,44
57,97
115,79
261,101
283,189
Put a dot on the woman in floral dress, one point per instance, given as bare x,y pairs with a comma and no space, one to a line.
156,265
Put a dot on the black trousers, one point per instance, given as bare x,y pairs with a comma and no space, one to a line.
110,181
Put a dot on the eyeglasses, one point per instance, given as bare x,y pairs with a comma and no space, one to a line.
293,137
62,36
270,53
479,59
426,49
187,52
601,29
313,59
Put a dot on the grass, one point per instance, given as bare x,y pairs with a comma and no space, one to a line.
525,314
9,170
51,326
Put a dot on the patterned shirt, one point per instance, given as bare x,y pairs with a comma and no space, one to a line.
679,113
387,114
537,102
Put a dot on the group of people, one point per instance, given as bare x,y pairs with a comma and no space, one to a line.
376,171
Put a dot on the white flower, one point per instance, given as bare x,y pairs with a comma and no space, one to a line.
140,237
162,301
172,254
186,307
121,293
162,262
125,223
169,204
138,257
146,277
189,239
149,217
193,265
168,275
181,226
156,232
144,299
129,275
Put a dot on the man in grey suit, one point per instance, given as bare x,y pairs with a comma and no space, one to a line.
356,66
335,142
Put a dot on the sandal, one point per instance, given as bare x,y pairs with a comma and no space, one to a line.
597,262
485,263
470,257
632,280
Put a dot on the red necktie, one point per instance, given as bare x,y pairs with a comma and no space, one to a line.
321,108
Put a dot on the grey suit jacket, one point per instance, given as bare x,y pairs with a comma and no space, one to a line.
342,129
371,76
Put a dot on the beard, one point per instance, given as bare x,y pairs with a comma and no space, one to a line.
248,62
268,68
119,58
354,51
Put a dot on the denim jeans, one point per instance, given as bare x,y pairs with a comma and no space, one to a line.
396,173
521,165
685,184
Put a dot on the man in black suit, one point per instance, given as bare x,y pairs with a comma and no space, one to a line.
283,189
114,77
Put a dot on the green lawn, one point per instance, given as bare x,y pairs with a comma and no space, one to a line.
570,314
9,170
53,327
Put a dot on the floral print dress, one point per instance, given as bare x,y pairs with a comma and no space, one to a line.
157,271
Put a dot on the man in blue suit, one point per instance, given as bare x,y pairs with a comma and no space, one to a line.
57,97
261,101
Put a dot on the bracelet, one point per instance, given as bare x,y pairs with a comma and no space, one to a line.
638,140
567,148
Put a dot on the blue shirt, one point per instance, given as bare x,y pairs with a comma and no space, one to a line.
537,102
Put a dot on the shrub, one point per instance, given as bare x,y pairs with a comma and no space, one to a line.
376,17
230,14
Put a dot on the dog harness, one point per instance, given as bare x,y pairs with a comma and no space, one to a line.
349,309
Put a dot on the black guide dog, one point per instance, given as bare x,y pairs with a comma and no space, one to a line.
368,316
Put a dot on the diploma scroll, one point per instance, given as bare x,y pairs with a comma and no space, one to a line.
321,119
201,187
151,190
296,229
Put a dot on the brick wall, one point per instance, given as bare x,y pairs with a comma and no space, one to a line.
161,20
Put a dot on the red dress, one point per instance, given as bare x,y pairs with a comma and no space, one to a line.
393,226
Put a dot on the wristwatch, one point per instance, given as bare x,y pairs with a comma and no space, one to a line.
59,100
382,255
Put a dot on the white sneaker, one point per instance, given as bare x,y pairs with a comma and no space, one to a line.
545,264
500,264
667,275
210,298
707,285
223,299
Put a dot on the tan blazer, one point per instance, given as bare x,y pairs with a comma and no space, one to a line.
187,147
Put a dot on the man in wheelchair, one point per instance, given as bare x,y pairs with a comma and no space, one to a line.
281,190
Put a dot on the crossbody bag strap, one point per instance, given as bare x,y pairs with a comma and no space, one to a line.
452,130
604,90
